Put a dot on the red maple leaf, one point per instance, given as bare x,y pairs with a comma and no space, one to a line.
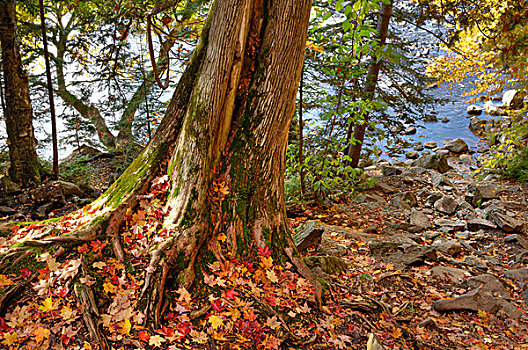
63,291
83,249
217,305
264,251
25,272
168,332
97,245
143,336
230,293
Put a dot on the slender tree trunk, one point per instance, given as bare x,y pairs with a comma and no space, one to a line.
371,82
25,166
301,136
50,92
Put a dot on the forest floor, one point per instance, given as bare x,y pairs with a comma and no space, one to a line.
422,260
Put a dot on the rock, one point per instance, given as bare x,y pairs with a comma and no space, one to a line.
329,264
308,235
49,193
517,239
494,110
476,124
42,211
411,130
431,234
412,154
506,223
452,273
418,218
401,251
418,147
438,179
475,300
69,189
445,120
374,343
456,145
471,261
450,225
491,283
384,187
405,200
430,118
480,224
8,186
483,192
447,246
467,159
513,99
430,145
446,204
442,152
434,161
23,198
517,274
474,110
7,210
434,196
370,198
388,170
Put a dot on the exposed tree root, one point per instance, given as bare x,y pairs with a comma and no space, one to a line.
90,314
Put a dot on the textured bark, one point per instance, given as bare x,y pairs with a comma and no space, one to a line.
25,166
354,151
227,123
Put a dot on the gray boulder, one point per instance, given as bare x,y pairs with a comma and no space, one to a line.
436,162
506,223
446,205
513,99
451,273
474,110
447,246
456,145
480,224
420,219
411,154
308,235
517,274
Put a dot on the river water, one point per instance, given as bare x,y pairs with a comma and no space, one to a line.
455,111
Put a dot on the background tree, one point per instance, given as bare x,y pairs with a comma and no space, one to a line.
25,166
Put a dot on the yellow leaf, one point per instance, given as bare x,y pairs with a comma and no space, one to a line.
109,287
270,274
48,305
5,281
40,333
156,340
267,263
126,326
396,333
99,264
10,338
222,237
215,321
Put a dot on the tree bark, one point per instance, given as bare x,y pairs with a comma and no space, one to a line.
222,147
354,151
25,167
226,126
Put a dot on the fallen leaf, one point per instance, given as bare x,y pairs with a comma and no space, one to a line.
215,321
40,334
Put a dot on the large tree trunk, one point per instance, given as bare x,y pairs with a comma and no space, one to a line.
25,166
222,148
371,81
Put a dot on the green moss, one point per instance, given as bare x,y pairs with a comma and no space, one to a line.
190,213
